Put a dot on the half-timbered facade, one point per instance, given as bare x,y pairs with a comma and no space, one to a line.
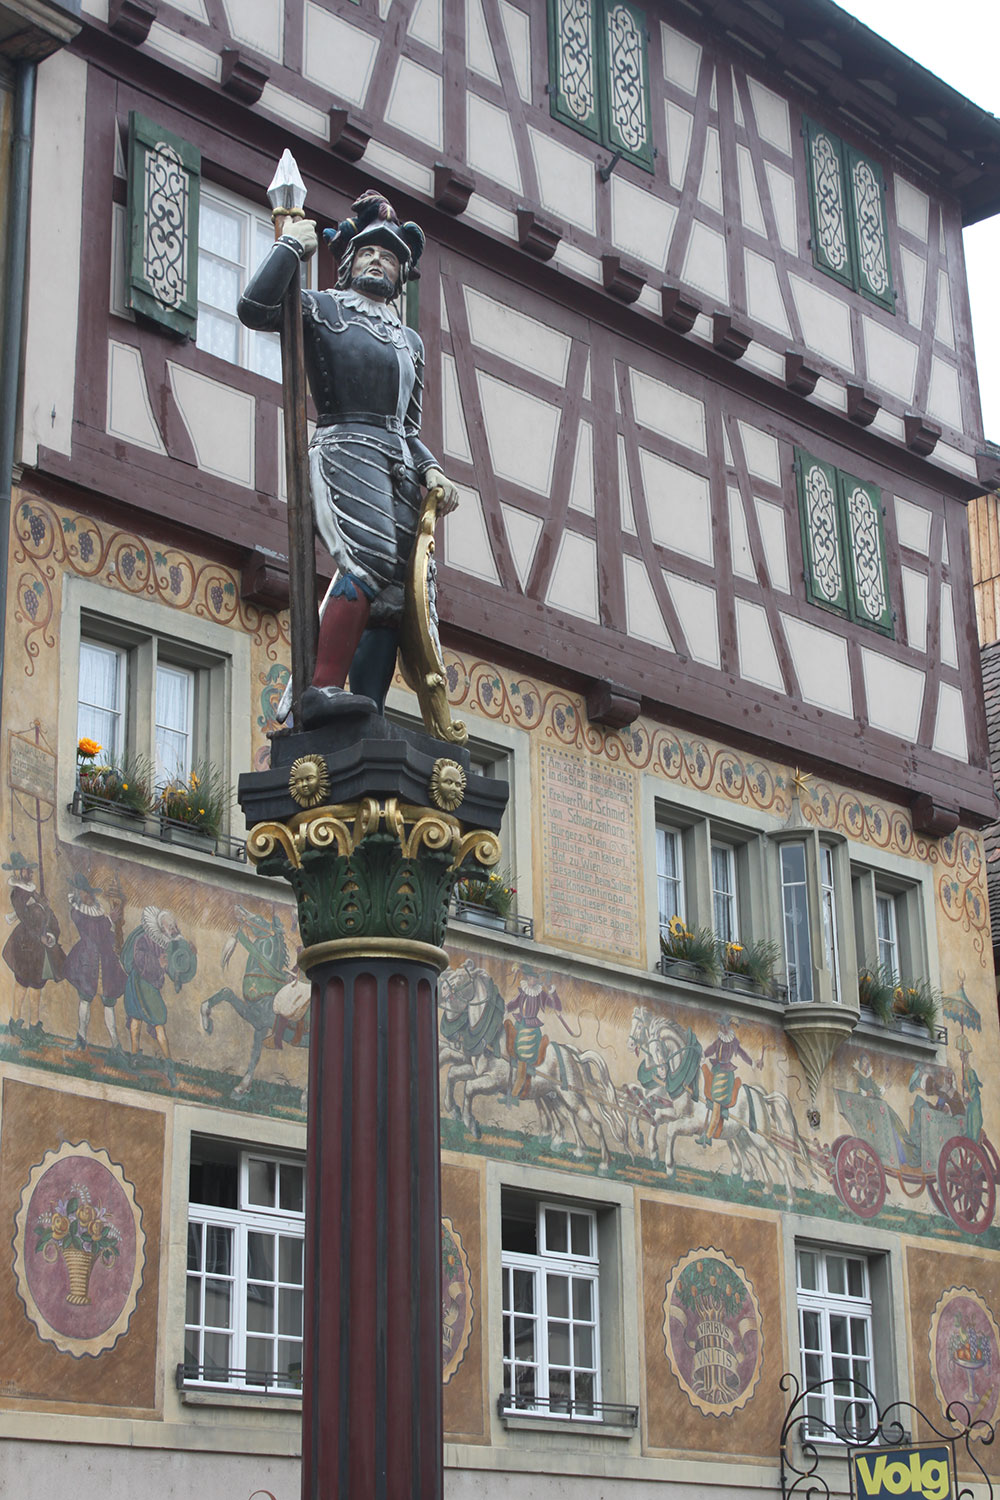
699,358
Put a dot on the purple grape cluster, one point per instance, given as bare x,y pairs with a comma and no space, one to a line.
216,596
36,525
486,691
86,546
176,578
128,564
31,602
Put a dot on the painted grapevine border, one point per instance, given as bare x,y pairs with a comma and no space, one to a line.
49,541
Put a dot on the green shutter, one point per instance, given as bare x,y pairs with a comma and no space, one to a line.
873,261
822,546
864,548
830,211
574,79
624,71
164,174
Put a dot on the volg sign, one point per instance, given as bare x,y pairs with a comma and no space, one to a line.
903,1474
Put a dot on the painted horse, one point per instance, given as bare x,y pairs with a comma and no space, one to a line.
270,990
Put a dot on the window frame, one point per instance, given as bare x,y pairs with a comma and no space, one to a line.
245,1219
597,125
848,159
829,958
669,836
825,1305
729,854
869,884
120,713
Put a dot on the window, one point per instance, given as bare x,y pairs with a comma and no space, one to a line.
243,1319
835,1340
724,907
551,1323
669,875
847,210
795,914
828,902
101,696
233,239
599,76
888,923
887,929
808,870
843,545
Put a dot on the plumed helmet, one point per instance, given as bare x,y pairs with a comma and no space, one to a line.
373,221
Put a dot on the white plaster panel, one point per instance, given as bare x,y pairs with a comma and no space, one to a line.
891,359
739,536
760,357
573,586
491,146
771,113
54,236
727,451
466,540
826,322
651,300
753,215
259,23
337,55
523,531
455,434
944,399
479,54
949,641
194,8
915,606
643,616
949,725
680,123
828,393
781,185
819,658
521,431
399,167
737,102
912,207
296,112
697,610
889,423
517,337
679,506
705,264
713,94
581,487
764,299
130,412
895,694
565,180
181,49
701,328
425,24
771,520
482,211
762,454
641,223
945,330
710,187
914,269
666,410
577,261
220,423
586,379
517,30
944,546
625,505
681,59
954,458
758,658
96,8
416,103
119,232
913,525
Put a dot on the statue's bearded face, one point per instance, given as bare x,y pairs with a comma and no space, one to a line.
375,272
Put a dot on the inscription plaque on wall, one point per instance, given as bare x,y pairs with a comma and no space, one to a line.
590,874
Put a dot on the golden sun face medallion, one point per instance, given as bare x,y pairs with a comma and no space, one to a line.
308,780
447,784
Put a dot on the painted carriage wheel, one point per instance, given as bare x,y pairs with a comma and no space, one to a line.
965,1181
858,1178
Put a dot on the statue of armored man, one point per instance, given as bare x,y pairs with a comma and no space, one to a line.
368,466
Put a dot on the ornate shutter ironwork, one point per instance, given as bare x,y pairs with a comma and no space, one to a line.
626,76
868,575
164,176
822,548
573,72
829,205
867,195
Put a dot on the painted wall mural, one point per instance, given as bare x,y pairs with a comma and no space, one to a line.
463,1309
965,1354
712,1331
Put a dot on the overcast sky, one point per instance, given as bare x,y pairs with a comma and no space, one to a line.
960,42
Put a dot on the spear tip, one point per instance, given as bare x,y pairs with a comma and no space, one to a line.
287,190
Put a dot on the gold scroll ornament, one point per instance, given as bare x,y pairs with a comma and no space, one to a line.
420,659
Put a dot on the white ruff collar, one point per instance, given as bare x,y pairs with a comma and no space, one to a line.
372,307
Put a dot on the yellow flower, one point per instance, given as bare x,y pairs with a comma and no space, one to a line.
60,1226
124,786
676,928
85,1213
201,812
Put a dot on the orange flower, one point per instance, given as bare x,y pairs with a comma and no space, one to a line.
86,749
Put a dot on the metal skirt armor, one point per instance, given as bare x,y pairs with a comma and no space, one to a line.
366,497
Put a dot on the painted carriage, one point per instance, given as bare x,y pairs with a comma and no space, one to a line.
949,1155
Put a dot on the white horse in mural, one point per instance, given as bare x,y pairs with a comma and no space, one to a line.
760,1130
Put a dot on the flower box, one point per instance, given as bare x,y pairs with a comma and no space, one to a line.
480,916
111,816
742,984
683,968
187,838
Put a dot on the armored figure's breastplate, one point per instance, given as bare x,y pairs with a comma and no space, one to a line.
355,364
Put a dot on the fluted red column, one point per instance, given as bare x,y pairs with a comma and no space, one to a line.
371,1419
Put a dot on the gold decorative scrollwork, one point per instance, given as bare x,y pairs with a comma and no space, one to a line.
421,661
327,832
483,847
341,828
435,832
265,838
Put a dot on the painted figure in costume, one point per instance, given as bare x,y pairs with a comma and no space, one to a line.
367,461
92,966
154,952
526,1040
721,1083
32,952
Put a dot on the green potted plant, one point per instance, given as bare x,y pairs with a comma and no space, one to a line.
116,790
916,1001
876,984
749,966
688,954
486,900
193,812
